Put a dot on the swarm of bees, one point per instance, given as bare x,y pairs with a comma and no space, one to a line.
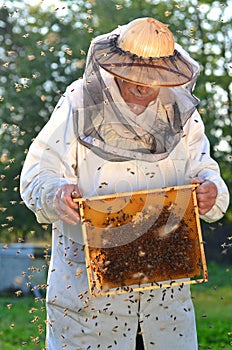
143,239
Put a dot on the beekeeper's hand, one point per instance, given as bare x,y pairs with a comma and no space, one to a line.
65,207
206,194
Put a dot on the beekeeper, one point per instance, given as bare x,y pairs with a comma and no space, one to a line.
132,115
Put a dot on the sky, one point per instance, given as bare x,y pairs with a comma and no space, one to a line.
59,4
45,3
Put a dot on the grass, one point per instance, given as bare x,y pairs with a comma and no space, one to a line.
213,306
214,318
22,321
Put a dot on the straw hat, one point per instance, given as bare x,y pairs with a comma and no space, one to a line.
143,52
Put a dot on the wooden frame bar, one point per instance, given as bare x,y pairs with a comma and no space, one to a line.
142,240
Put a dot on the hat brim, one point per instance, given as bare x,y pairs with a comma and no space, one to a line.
167,71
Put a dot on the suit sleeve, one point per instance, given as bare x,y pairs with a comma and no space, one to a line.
50,162
202,165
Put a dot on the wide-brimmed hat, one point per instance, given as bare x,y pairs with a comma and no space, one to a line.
143,52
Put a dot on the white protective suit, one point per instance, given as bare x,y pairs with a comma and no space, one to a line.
75,319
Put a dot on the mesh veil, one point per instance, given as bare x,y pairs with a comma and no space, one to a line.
106,125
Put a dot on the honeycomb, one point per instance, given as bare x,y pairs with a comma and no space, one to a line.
142,240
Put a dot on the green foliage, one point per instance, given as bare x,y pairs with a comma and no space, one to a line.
36,68
43,50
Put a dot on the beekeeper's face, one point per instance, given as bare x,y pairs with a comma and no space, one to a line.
137,94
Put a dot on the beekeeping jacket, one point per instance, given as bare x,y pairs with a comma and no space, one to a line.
94,140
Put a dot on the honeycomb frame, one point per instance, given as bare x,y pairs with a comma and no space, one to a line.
142,240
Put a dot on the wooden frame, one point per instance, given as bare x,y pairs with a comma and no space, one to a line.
142,240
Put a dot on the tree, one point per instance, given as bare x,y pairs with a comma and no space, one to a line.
36,66
43,50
